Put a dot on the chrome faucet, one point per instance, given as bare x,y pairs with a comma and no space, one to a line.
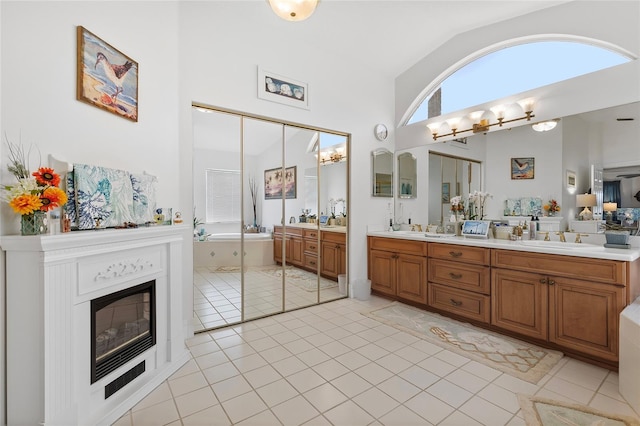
562,238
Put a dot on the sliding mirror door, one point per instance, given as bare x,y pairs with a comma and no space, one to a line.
217,185
264,181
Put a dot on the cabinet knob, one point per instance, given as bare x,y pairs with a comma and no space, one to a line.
551,282
455,253
455,302
543,280
337,246
455,276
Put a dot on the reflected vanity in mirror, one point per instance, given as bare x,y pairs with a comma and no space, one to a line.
407,175
449,177
382,173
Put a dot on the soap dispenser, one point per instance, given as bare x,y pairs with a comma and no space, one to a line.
533,228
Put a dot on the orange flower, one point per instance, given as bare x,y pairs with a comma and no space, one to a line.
46,176
26,204
52,197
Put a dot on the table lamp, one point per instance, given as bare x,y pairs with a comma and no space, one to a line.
610,208
586,201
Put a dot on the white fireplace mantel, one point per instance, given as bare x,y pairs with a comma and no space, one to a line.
51,280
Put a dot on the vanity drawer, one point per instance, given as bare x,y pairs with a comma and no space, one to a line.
465,254
600,270
398,245
310,246
475,278
460,302
310,233
311,261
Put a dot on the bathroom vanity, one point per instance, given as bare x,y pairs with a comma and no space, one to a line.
305,246
567,298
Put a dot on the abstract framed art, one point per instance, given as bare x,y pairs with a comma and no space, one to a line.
275,182
106,78
522,168
277,88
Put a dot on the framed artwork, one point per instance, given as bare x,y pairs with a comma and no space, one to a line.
106,78
522,168
275,182
277,88
571,180
446,192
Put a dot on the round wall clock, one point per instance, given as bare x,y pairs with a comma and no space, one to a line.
381,132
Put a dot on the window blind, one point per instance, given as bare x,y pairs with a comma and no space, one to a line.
223,195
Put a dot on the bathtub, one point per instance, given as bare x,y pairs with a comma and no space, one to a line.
224,249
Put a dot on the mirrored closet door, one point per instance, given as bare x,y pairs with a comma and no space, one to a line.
270,216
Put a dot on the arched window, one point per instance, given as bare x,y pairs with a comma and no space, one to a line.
513,70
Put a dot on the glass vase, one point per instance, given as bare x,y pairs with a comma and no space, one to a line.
33,224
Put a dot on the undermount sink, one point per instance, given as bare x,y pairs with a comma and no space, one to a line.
557,244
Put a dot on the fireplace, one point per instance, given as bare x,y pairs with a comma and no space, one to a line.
122,327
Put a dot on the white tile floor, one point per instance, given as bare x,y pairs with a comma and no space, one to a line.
217,297
328,364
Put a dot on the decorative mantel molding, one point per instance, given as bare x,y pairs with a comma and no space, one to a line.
51,280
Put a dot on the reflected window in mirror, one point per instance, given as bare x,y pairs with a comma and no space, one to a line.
382,173
407,175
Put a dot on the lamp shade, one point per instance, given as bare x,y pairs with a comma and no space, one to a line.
586,200
293,10
610,207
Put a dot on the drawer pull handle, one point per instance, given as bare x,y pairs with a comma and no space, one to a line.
551,282
455,253
455,276
312,247
543,280
455,302
312,263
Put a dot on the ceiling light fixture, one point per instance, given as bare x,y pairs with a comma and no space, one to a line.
481,121
545,126
293,10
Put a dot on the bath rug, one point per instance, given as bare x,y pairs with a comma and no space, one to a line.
547,412
514,357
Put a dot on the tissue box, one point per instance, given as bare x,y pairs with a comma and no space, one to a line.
617,237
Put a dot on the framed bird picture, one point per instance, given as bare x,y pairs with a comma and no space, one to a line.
522,168
106,77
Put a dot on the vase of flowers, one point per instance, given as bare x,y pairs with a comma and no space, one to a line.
34,194
552,207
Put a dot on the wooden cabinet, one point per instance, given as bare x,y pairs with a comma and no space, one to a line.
572,302
317,251
398,268
459,280
333,255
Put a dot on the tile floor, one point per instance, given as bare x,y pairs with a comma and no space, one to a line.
217,297
330,365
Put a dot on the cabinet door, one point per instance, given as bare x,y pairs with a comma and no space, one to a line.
382,267
520,302
411,278
584,316
329,259
295,255
277,248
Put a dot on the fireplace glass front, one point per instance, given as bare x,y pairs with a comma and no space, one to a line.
122,327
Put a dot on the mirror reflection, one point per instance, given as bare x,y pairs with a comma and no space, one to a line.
261,191
449,177
382,173
407,175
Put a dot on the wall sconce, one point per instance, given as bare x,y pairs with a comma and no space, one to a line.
586,201
481,120
293,10
545,126
330,157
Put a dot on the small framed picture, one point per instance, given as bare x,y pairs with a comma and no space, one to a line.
276,181
571,180
522,168
446,192
284,90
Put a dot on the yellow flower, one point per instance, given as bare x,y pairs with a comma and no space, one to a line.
26,204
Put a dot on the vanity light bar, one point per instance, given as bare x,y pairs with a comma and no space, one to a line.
482,126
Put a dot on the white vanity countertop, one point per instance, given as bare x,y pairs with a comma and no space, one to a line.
329,228
536,246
